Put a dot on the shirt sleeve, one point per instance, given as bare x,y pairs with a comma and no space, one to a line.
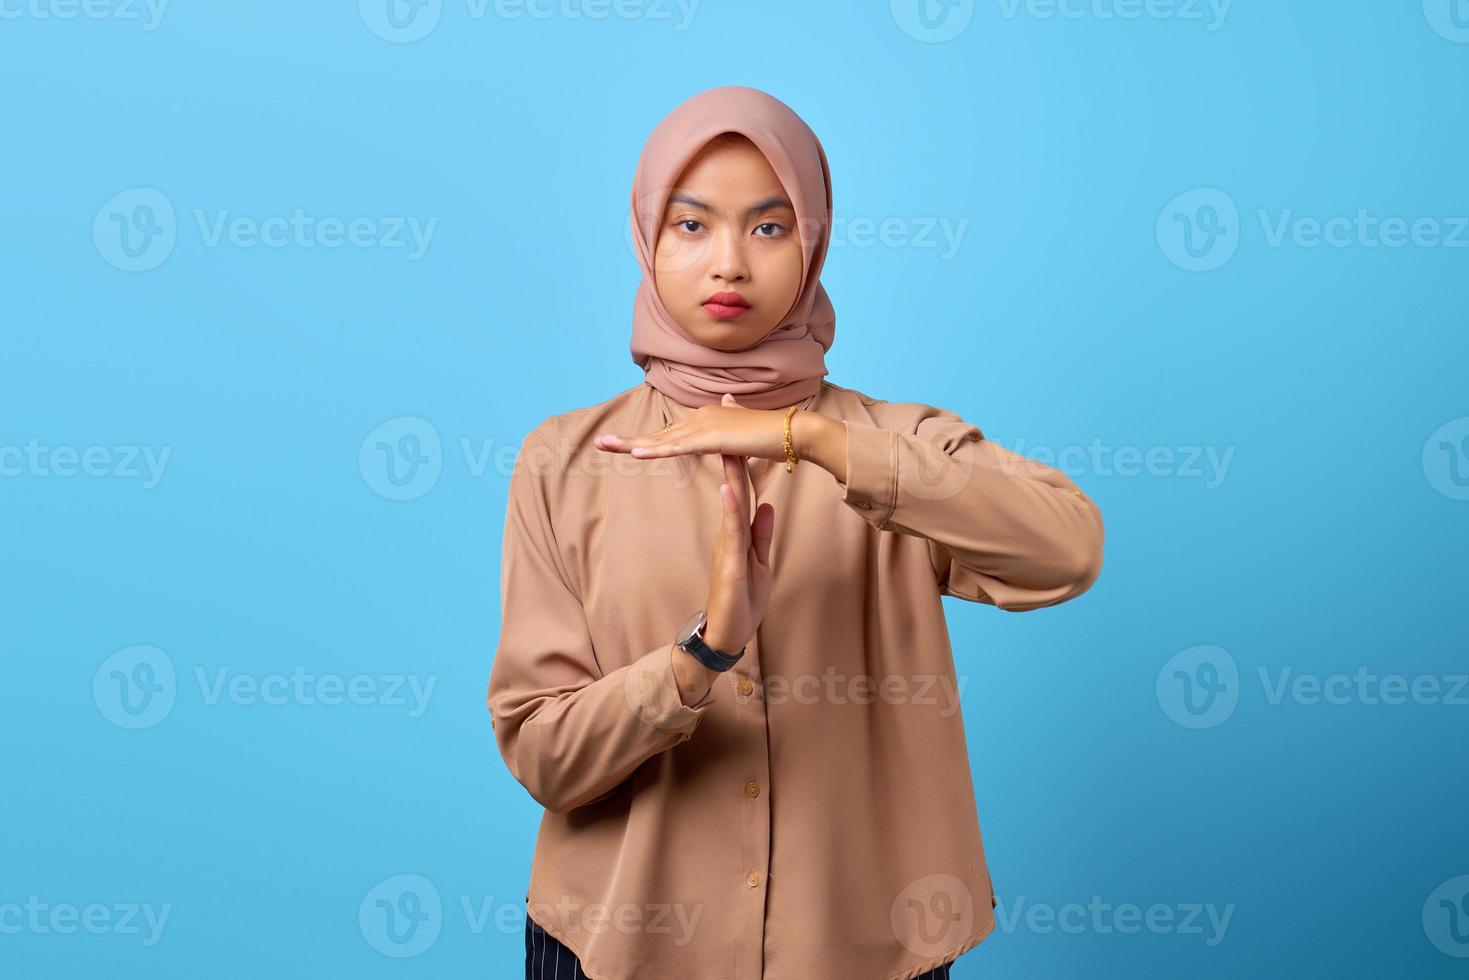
1001,528
569,733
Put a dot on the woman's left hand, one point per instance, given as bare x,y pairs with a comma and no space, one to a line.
724,428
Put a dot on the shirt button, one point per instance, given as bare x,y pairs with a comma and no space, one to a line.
745,686
752,789
753,878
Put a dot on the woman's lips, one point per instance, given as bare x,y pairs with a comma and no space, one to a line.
724,312
726,306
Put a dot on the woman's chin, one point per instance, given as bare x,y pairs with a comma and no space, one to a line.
726,335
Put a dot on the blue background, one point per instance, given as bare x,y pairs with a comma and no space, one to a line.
1073,314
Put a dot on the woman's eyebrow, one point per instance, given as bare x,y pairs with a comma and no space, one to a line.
682,197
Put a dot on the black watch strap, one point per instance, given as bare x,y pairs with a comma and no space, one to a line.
691,639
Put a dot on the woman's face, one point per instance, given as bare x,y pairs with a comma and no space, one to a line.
729,228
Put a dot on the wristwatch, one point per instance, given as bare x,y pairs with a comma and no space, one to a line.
691,641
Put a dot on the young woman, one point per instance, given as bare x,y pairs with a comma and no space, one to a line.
743,723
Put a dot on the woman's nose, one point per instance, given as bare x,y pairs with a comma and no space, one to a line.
728,259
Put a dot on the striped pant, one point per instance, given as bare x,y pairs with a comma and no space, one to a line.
547,958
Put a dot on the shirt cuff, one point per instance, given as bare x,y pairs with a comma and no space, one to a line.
872,472
657,697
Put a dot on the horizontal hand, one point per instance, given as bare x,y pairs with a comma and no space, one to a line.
724,428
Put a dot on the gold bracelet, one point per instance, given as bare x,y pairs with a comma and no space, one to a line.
790,452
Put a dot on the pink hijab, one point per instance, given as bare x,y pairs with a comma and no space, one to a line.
789,363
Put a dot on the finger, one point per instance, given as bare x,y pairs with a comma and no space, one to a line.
734,475
738,524
729,527
732,554
727,509
618,444
762,532
654,447
645,447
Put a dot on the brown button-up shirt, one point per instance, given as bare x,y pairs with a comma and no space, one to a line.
813,815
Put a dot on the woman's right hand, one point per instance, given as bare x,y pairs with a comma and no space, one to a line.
739,577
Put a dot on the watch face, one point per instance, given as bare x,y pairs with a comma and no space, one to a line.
693,626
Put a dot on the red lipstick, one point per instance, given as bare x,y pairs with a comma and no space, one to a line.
726,306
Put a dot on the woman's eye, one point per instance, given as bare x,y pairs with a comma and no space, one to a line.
770,224
687,221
